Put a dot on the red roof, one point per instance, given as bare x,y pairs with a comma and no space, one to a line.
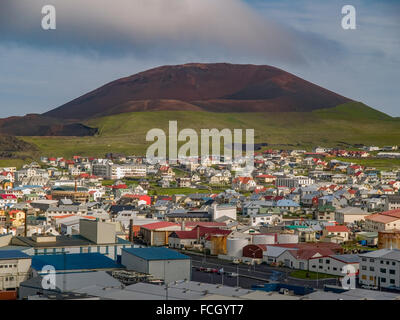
306,254
201,232
393,213
337,229
159,225
266,176
8,196
204,224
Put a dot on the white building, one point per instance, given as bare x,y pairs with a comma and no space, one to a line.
380,268
294,182
109,170
161,263
218,211
14,269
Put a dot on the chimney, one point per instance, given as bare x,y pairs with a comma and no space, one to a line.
131,230
183,226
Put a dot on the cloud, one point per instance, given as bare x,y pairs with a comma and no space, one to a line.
161,28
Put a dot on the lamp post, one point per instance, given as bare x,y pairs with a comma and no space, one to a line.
237,276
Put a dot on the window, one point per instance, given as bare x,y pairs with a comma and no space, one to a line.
371,269
393,263
320,260
383,280
364,268
334,268
371,260
328,261
392,281
364,259
391,271
383,270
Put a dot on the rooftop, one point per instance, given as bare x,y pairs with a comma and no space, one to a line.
75,261
156,253
13,254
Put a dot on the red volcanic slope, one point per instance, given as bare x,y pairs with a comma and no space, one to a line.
218,87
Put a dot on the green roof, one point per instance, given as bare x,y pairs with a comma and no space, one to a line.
326,207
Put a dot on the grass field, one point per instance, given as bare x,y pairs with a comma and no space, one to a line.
374,162
302,274
343,126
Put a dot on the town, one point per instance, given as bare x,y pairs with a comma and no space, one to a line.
309,225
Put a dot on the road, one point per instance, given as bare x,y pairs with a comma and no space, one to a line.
248,275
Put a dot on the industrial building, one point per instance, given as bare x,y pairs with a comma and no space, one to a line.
14,269
157,233
95,236
380,268
161,263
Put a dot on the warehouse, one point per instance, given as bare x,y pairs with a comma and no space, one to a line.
161,263
157,233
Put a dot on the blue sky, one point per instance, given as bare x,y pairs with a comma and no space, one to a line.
98,41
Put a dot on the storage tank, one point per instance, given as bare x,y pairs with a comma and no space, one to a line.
264,239
235,246
389,239
287,238
218,244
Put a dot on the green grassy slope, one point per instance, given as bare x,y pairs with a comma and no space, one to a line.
352,123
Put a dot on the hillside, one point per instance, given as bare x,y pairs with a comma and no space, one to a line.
216,87
343,126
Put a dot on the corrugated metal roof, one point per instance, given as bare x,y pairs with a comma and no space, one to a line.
155,253
76,261
13,254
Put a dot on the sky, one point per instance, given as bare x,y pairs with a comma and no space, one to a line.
97,41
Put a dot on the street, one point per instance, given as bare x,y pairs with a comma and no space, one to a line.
248,275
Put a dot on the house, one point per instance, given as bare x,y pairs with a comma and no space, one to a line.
336,234
383,221
336,264
7,200
392,202
350,215
300,258
244,184
260,219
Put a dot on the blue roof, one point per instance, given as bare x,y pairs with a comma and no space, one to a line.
75,261
286,203
156,253
13,254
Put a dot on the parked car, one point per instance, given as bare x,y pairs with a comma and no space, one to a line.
236,261
231,274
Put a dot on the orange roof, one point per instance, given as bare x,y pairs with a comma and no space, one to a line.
381,218
337,229
159,225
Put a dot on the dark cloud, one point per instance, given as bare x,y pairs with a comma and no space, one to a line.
161,28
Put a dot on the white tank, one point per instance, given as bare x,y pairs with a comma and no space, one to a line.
264,239
288,238
234,246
